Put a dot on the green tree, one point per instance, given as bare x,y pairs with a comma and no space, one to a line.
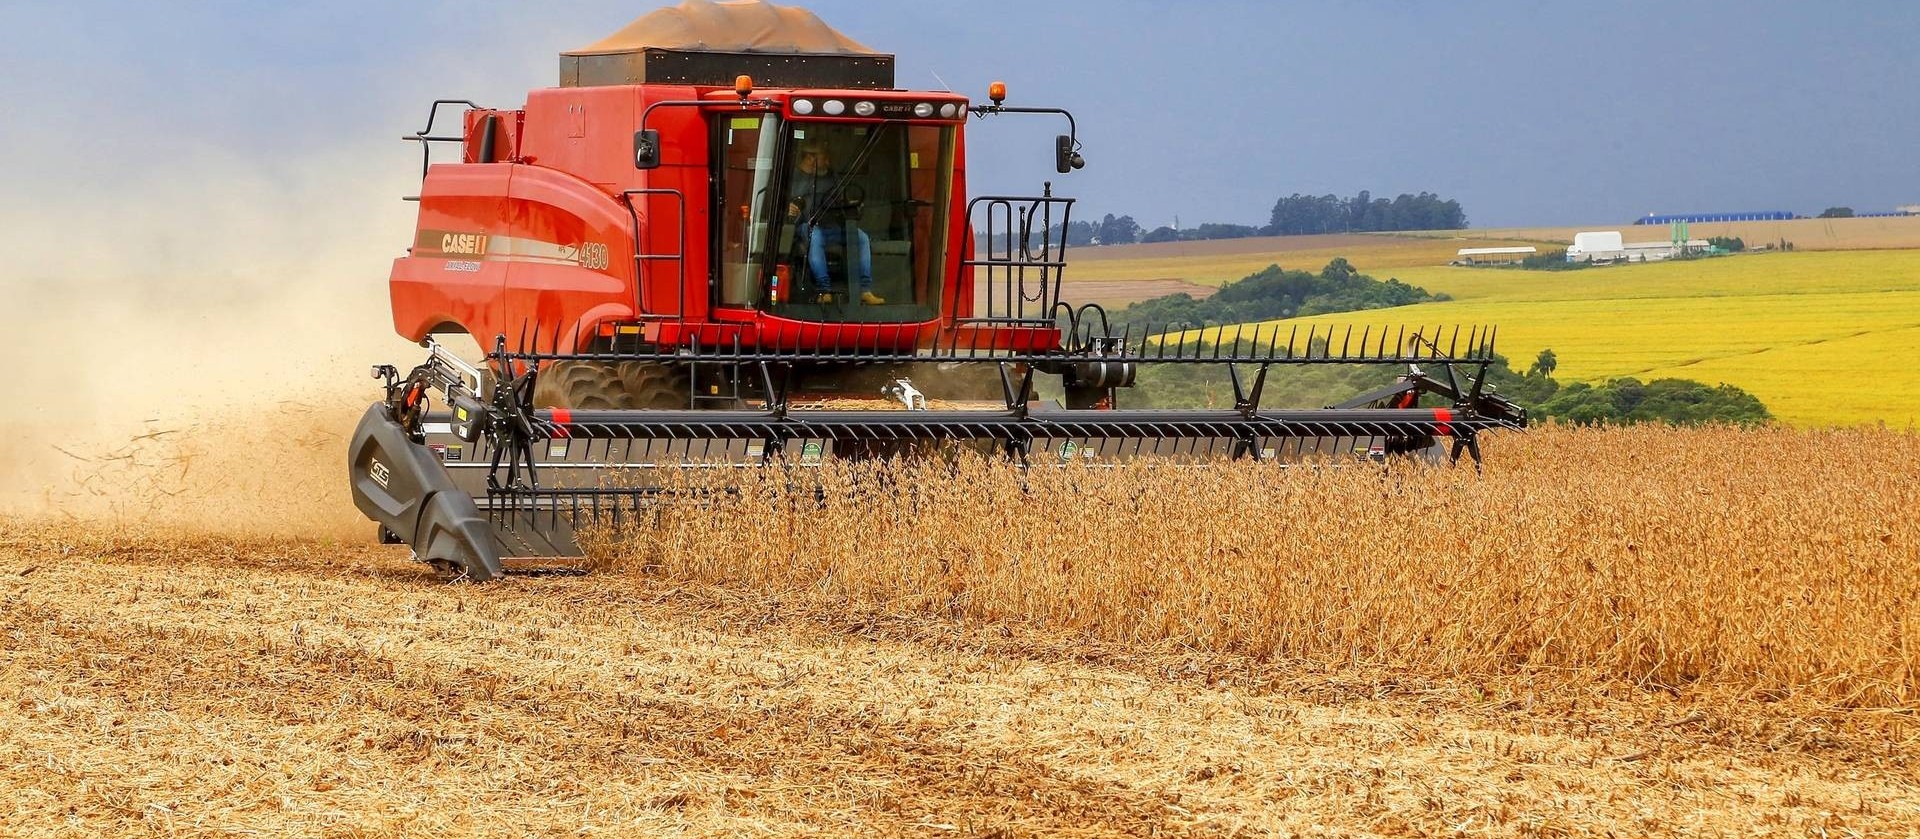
1676,401
1544,364
1118,231
1837,212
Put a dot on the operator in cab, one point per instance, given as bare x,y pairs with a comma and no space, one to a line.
817,197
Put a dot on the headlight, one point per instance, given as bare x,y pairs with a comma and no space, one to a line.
923,110
834,107
864,109
948,110
803,106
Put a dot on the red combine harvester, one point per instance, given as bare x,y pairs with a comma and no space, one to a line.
726,236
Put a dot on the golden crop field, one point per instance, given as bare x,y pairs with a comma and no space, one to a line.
1242,651
1524,570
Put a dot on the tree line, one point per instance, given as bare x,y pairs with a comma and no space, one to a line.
1277,293
1363,213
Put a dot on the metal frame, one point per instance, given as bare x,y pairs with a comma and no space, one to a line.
1176,343
426,138
639,258
1016,260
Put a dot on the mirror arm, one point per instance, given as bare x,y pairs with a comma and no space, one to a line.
1069,157
986,110
742,104
739,104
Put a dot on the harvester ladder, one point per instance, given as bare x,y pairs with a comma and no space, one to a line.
1022,266
641,256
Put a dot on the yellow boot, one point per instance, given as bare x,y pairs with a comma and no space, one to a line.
871,299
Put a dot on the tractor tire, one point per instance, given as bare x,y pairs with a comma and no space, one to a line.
625,385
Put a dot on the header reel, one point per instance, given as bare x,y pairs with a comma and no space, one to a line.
469,473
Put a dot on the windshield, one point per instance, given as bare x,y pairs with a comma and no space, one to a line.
854,230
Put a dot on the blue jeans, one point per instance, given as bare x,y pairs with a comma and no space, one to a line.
861,256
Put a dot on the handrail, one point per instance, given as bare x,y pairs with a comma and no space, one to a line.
1050,260
425,135
680,259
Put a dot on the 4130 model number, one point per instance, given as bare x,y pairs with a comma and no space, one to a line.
594,255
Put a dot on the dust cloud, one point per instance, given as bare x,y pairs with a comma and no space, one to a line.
191,349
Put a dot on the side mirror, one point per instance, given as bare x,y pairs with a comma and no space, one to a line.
646,149
1065,159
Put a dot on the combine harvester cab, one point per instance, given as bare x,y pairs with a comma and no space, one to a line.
728,239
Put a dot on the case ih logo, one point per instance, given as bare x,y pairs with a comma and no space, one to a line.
452,243
466,243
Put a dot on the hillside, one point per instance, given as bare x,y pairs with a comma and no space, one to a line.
1819,336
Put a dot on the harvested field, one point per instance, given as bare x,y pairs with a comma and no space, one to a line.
1816,234
1277,653
1215,262
1393,254
1257,245
1114,293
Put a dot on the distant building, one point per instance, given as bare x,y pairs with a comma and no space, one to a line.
1656,251
1597,246
1908,209
1752,215
1492,256
1609,246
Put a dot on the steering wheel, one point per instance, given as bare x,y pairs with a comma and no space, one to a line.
846,203
851,197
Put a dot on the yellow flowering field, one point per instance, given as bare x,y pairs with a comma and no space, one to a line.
1823,338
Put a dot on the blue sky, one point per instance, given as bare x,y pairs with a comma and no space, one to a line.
1528,112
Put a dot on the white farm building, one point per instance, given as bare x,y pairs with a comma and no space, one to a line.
1610,246
1492,256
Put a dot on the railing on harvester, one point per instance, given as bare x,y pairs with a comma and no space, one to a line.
1015,274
